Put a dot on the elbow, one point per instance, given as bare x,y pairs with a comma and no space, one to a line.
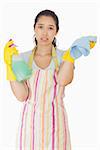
71,78
65,82
20,91
68,81
22,97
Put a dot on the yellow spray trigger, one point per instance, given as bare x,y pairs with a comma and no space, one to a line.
92,44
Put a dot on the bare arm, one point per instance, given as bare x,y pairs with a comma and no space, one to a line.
20,90
65,76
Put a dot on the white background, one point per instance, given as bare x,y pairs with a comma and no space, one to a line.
82,95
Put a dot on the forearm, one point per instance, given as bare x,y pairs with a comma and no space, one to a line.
20,90
60,92
65,74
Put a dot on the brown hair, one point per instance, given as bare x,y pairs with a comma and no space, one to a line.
51,14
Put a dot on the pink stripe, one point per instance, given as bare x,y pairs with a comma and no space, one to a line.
65,134
23,114
65,143
53,117
53,123
32,89
28,90
22,126
34,109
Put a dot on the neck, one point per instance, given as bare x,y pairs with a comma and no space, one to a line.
44,50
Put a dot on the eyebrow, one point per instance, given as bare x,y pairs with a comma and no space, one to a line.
43,24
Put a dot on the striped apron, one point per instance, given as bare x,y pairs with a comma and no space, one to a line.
43,123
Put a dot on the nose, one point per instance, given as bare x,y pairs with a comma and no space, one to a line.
45,32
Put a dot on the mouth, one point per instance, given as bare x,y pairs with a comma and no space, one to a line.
44,39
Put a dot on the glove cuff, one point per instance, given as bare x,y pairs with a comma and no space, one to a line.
68,57
10,75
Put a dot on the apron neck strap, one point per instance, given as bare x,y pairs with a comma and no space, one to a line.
54,56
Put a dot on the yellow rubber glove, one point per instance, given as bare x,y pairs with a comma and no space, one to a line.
79,47
67,56
9,51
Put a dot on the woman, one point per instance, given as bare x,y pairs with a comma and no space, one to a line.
44,124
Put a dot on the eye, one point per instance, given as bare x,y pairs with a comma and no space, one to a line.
50,28
40,27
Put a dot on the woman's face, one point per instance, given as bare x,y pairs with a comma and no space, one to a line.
45,30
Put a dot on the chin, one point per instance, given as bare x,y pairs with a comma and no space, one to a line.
44,43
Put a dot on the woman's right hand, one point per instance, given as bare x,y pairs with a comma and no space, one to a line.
9,51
